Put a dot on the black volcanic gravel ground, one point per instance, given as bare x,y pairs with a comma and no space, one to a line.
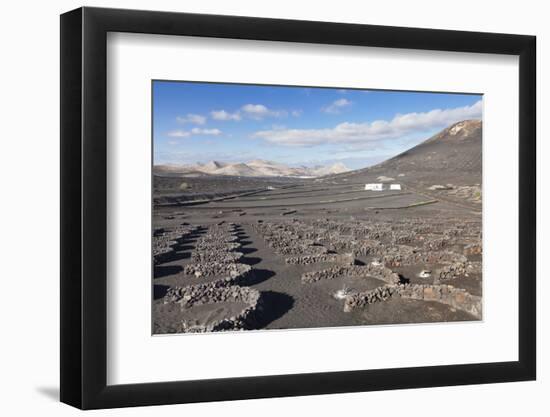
287,302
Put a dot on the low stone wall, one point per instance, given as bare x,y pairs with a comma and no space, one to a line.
380,272
366,249
457,298
362,299
216,245
337,235
451,271
164,240
362,247
284,241
437,244
463,230
217,293
216,256
388,251
297,248
340,259
234,271
360,230
447,294
457,269
163,254
422,257
403,238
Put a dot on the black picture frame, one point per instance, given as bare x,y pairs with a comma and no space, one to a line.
84,207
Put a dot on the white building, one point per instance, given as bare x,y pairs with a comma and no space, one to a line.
395,186
374,187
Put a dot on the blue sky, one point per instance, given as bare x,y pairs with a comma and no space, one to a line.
200,122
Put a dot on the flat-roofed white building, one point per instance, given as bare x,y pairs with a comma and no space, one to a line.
395,186
374,187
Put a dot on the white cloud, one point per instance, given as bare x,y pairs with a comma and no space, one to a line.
223,115
196,119
194,131
259,111
361,133
296,113
337,106
251,111
178,134
213,132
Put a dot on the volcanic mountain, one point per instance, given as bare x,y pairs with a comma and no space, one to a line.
255,168
451,156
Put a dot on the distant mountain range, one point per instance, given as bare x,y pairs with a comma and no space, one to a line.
255,168
454,155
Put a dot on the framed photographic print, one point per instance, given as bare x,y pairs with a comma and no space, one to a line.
258,207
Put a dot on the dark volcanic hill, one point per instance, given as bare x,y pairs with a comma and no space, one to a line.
453,156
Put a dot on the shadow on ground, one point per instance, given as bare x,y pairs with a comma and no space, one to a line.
160,291
165,270
274,305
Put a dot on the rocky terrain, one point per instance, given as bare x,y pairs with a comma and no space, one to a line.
280,252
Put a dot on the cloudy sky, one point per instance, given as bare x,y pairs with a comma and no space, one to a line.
200,122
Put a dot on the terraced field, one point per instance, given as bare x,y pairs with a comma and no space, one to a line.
271,253
358,264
